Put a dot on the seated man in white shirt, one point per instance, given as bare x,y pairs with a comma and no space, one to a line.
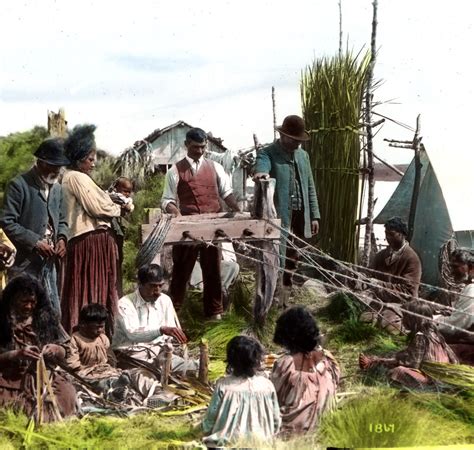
147,320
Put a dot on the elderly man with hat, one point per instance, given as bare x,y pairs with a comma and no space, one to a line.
33,217
295,193
195,185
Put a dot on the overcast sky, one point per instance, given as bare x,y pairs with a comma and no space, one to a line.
131,67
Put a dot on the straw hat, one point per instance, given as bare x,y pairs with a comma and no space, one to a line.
293,127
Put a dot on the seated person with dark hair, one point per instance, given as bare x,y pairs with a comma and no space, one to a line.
90,353
425,344
396,278
399,264
244,404
462,316
30,331
147,320
306,378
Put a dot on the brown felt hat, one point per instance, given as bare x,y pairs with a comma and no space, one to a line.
293,127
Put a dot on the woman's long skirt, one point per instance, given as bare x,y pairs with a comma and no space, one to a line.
91,277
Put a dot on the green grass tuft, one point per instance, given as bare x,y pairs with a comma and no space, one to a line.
350,426
144,431
220,333
450,406
341,306
216,369
386,344
355,331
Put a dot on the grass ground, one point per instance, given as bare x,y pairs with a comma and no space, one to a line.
370,413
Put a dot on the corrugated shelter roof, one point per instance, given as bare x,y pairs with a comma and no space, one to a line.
154,135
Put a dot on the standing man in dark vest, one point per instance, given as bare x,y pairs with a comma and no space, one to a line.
194,186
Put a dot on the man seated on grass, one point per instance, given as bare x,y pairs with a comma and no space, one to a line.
147,321
396,273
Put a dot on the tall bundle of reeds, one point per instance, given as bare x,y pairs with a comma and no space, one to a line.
332,94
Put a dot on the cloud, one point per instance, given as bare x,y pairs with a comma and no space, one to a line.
158,64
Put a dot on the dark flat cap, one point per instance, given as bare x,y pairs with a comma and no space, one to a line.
51,151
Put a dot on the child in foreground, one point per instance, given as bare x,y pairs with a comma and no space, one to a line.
89,357
244,406
306,378
426,344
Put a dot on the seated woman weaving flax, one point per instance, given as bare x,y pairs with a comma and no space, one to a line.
426,344
30,337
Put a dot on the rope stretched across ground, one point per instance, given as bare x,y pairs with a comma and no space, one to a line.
342,287
334,275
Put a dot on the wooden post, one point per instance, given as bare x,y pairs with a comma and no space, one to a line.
185,361
274,115
415,145
417,182
340,28
166,365
370,146
267,271
39,392
203,362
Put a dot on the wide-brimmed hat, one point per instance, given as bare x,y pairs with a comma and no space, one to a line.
293,127
51,151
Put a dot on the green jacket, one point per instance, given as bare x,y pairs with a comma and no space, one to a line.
275,161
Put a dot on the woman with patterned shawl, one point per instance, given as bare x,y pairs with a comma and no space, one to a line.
426,344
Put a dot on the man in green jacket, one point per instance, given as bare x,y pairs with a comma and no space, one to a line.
295,194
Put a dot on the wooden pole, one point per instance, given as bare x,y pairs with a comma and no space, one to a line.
184,371
340,28
385,163
416,184
203,362
267,272
166,366
274,114
362,192
39,393
370,146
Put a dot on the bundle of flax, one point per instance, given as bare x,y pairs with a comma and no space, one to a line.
331,94
457,375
